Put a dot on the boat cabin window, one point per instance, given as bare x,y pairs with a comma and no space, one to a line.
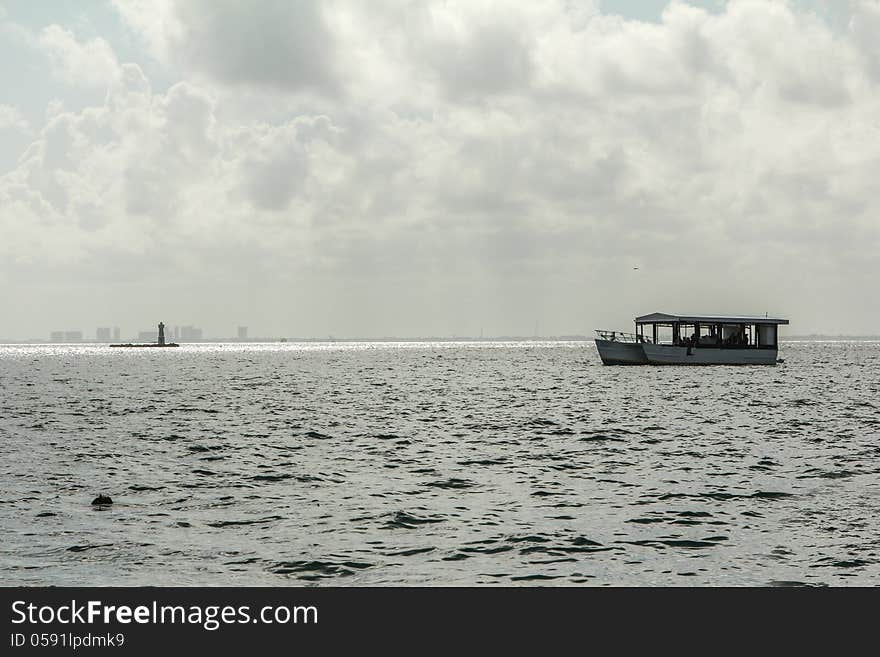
711,332
734,335
664,334
717,335
766,335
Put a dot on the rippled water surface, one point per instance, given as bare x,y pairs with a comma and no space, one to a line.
436,463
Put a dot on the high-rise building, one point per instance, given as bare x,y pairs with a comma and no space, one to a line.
190,333
242,332
73,336
56,336
102,334
116,334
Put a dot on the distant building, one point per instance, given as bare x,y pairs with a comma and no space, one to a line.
73,336
190,333
116,334
102,334
148,336
242,332
56,336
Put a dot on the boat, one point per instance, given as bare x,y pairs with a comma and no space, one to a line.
670,339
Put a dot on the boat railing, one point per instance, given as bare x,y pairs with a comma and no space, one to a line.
619,336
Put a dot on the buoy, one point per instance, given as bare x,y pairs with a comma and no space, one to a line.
102,500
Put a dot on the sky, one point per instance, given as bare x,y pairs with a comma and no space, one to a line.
437,168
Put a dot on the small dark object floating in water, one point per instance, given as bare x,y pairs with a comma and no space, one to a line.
102,500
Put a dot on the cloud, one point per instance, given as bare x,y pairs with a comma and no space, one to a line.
360,152
474,50
276,44
275,166
12,119
863,25
91,64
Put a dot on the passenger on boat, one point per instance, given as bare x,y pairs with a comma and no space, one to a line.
738,339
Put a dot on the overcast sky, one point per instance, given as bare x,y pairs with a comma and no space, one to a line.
437,168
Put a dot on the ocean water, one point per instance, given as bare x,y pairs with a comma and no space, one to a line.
436,463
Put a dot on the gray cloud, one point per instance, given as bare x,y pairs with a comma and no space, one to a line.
488,56
278,43
429,168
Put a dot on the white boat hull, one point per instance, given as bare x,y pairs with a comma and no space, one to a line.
660,354
621,353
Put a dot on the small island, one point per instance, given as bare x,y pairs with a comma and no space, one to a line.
159,343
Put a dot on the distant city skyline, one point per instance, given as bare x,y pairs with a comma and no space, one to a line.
437,168
80,337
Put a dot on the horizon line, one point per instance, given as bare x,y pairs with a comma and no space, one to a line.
574,337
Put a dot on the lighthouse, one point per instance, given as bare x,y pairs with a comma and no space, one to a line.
160,342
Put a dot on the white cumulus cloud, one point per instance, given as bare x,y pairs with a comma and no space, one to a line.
92,63
421,163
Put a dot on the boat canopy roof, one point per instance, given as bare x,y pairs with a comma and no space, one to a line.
667,318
